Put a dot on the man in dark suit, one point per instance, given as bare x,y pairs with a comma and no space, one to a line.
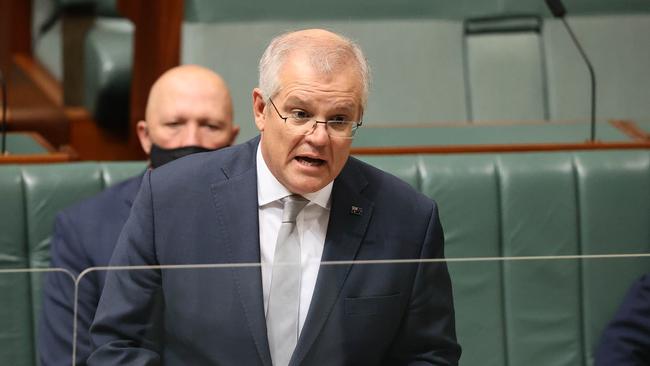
626,340
292,200
189,110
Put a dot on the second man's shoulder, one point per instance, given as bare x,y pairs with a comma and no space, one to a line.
107,200
212,165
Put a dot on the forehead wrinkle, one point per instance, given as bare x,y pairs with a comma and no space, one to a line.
201,104
301,95
188,84
346,104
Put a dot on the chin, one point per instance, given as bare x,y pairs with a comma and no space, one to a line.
306,186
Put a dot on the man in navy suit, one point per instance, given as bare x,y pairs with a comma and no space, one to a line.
626,340
189,110
230,207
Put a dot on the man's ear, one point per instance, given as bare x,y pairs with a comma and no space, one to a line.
143,135
259,106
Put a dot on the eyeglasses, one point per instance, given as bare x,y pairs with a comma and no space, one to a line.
302,126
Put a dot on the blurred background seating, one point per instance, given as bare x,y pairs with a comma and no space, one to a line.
443,62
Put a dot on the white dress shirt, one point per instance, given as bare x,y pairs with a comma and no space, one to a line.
311,224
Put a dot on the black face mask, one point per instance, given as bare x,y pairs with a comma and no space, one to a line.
160,156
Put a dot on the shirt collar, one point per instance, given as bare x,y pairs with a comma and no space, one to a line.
269,189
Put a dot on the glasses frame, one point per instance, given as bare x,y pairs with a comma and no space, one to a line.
355,127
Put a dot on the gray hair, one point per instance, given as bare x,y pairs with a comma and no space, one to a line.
324,56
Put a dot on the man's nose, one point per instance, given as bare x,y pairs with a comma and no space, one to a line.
319,136
192,135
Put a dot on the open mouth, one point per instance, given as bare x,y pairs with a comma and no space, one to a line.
304,160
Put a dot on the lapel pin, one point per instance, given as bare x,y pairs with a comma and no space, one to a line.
354,210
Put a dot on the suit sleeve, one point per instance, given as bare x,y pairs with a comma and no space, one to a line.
125,325
55,333
427,335
626,340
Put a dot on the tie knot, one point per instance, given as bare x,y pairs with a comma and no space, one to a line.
292,206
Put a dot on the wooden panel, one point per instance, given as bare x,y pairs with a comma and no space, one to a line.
15,29
30,109
631,129
41,77
46,152
156,49
76,21
91,142
36,158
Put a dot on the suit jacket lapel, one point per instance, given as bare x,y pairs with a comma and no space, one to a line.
237,217
345,232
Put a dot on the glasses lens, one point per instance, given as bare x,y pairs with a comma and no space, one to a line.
340,128
305,126
300,126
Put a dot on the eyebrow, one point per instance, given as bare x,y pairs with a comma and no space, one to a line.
345,106
296,100
212,121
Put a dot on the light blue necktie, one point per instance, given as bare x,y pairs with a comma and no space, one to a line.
284,296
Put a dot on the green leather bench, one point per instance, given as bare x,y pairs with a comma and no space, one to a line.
539,312
534,312
30,196
108,56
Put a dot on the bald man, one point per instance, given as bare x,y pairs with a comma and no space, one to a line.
189,110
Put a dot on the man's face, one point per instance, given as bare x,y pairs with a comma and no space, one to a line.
305,164
188,112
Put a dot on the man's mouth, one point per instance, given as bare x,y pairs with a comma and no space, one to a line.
310,161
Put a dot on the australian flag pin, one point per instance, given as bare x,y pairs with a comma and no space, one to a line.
354,210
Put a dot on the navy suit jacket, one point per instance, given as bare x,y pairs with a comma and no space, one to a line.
84,236
203,209
626,340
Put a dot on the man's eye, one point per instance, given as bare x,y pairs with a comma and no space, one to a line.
338,125
298,114
338,119
212,127
174,124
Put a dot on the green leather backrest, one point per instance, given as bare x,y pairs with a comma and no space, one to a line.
538,217
31,195
536,312
108,57
613,195
472,228
15,322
